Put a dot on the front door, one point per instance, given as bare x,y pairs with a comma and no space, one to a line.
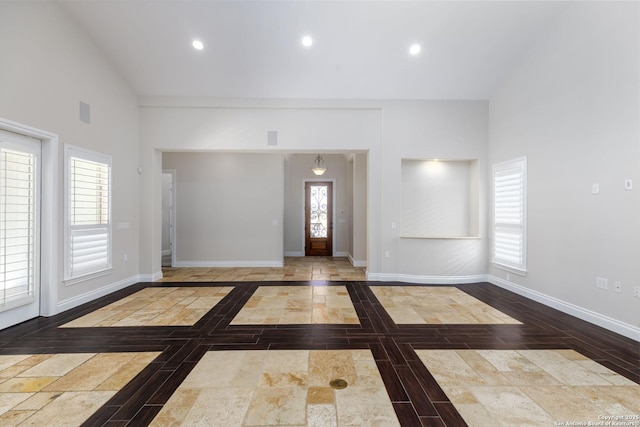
318,219
19,228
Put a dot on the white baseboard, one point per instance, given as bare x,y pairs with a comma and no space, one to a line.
77,300
429,280
606,322
212,264
150,277
166,252
294,253
355,262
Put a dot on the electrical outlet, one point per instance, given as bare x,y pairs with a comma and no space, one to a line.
602,283
387,254
617,286
125,258
636,291
628,184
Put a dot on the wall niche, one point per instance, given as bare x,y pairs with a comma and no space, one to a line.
440,199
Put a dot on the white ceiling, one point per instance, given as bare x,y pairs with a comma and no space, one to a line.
253,48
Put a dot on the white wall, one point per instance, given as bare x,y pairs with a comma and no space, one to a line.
167,182
572,107
358,221
172,124
427,130
229,209
297,171
47,66
455,129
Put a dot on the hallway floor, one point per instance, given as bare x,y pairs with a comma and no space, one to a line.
265,353
295,269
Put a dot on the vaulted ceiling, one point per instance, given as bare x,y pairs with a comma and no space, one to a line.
360,50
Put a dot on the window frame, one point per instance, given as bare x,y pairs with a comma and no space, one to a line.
70,152
519,268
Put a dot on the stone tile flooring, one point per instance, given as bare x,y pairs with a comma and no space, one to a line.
295,269
436,305
531,387
229,365
62,389
273,305
179,306
281,387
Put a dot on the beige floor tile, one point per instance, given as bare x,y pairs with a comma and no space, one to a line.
295,269
280,387
321,415
277,406
57,365
15,417
173,306
70,408
529,387
91,374
26,385
10,400
510,406
436,305
365,406
64,389
297,305
219,407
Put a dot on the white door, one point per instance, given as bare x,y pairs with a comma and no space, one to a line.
19,228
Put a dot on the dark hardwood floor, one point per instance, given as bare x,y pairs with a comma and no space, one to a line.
417,398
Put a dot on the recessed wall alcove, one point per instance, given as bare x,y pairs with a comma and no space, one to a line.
440,199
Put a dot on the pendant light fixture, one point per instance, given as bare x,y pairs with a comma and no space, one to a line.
318,167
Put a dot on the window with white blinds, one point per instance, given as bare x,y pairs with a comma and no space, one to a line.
88,213
509,214
18,224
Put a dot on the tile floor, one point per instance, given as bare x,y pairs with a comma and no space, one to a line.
273,305
436,305
295,269
181,306
530,387
62,389
281,387
468,355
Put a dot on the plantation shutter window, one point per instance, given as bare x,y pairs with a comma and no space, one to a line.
509,219
88,213
19,223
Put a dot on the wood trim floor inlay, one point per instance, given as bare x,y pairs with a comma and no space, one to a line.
417,398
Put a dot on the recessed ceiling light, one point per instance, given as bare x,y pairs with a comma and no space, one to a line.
414,49
307,41
197,44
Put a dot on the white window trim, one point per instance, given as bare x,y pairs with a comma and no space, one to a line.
521,163
74,151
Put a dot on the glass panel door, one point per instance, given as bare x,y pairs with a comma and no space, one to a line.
19,223
318,219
